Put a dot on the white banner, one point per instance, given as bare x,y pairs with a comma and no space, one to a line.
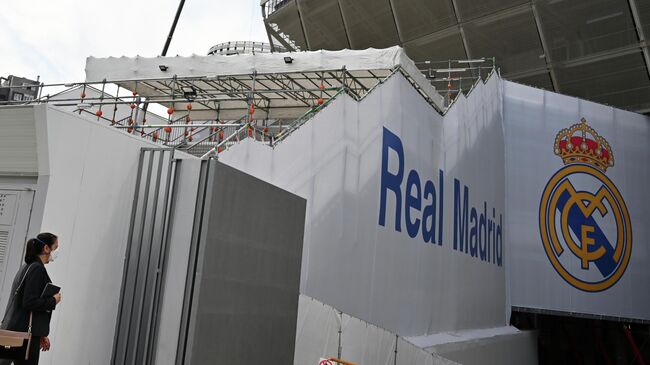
405,214
578,205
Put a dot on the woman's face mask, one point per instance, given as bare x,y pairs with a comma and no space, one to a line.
53,254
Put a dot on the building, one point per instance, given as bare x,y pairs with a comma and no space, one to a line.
596,50
329,207
17,89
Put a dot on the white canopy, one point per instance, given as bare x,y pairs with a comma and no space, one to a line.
281,85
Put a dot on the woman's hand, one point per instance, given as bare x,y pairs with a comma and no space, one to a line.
45,344
57,297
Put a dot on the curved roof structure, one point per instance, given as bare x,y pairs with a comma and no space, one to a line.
593,49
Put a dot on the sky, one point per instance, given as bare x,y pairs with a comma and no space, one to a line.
52,38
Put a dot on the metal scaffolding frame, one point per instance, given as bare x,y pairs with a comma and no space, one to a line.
207,115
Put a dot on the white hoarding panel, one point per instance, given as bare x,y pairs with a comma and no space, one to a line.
93,171
405,215
578,205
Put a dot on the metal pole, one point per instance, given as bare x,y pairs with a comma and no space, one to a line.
396,340
340,350
171,31
206,125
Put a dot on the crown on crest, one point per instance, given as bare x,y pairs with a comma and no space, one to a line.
581,144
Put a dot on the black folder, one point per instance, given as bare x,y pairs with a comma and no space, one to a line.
49,290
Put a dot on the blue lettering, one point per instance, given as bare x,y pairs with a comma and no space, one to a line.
499,242
441,188
460,218
390,181
429,215
473,221
482,235
413,202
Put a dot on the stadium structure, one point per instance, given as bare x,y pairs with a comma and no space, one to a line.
330,207
596,50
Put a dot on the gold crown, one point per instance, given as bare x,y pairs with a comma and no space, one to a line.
581,144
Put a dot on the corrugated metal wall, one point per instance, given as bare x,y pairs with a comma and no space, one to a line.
18,141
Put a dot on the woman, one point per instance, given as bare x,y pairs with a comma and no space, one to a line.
26,299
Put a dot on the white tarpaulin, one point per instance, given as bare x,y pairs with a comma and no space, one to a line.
578,205
143,68
405,211
319,328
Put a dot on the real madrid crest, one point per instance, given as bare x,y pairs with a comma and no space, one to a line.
584,223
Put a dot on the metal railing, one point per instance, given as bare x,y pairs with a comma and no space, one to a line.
453,77
272,6
243,47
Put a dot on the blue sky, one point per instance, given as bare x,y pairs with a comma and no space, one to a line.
52,38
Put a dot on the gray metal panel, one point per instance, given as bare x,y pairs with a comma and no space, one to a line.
370,23
189,306
527,38
290,20
511,37
323,24
247,281
144,261
181,218
447,45
417,18
471,9
18,141
620,81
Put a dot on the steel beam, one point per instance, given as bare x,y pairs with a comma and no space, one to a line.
545,48
302,25
641,34
461,29
345,25
392,11
580,61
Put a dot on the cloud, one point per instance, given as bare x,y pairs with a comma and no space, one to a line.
53,38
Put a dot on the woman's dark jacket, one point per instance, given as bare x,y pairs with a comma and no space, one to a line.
26,299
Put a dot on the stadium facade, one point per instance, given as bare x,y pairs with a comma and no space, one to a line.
596,50
329,206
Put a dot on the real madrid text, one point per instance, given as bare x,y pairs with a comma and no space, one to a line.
419,208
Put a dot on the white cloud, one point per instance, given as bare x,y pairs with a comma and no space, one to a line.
53,38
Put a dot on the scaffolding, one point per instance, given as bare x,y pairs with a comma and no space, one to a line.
206,115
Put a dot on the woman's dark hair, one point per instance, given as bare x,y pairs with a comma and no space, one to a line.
35,246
